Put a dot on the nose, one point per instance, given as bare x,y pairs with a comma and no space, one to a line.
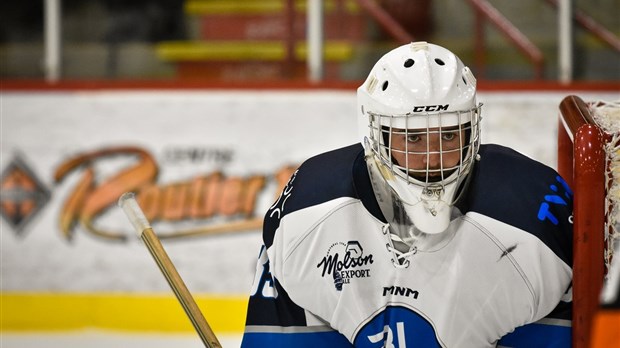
433,156
432,161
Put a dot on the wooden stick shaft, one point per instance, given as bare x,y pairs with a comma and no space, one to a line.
130,206
180,290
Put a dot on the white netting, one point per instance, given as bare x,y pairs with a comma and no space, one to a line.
607,117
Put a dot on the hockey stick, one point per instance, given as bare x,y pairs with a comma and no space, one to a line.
143,228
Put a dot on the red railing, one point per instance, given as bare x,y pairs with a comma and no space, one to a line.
290,36
486,12
593,27
386,21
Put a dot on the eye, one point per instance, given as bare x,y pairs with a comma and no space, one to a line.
448,136
413,138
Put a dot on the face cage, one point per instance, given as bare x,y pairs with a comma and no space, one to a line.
383,133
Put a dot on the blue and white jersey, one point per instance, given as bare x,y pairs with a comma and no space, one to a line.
326,276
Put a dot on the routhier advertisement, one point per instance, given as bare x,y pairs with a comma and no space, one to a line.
204,165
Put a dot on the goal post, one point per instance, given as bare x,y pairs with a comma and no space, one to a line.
583,161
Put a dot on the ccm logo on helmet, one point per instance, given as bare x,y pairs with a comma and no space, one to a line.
427,108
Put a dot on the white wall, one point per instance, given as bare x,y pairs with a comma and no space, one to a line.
240,133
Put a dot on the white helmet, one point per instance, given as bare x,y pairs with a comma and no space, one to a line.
419,123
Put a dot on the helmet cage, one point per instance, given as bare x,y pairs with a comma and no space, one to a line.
422,128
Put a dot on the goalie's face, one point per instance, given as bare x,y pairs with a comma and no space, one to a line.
427,155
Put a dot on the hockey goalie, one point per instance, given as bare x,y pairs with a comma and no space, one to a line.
419,235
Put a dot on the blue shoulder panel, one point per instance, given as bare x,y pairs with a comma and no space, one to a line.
331,175
524,193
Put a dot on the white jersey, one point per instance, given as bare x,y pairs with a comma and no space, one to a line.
328,275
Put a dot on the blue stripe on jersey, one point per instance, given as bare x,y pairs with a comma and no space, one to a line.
332,339
538,336
280,310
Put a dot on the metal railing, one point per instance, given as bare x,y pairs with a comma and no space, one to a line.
486,12
386,21
589,24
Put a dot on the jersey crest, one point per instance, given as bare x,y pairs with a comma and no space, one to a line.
397,327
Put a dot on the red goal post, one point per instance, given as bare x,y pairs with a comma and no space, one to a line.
582,163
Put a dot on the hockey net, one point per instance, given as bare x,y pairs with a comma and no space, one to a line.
589,160
607,116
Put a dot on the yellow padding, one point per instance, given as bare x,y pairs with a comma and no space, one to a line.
245,51
256,7
123,312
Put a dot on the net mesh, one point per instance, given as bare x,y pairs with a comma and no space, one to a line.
607,116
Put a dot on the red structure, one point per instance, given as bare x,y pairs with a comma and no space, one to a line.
581,161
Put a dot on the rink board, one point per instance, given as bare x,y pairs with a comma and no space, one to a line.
202,161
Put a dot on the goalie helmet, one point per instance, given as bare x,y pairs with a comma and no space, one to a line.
419,123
